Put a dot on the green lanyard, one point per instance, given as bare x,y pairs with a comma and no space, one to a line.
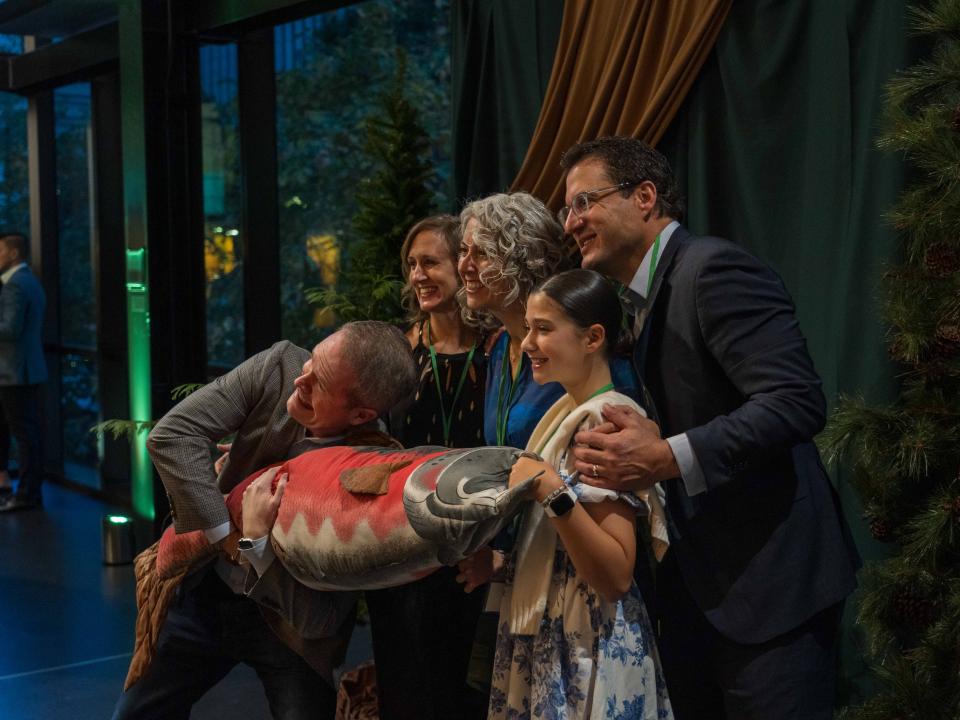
503,411
605,388
653,265
448,419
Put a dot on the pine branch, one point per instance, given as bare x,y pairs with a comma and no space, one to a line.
905,454
181,391
931,538
940,18
129,429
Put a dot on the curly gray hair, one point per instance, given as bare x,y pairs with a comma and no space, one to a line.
521,238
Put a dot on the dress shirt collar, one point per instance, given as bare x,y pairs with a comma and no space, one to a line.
8,273
641,278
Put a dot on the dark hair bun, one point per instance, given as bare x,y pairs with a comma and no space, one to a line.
587,297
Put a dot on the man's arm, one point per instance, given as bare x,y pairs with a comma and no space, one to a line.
179,444
748,323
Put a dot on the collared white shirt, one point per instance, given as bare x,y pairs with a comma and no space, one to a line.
641,278
8,273
690,471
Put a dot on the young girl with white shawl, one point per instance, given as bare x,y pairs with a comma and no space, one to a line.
574,638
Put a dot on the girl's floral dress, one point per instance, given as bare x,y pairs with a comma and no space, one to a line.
590,658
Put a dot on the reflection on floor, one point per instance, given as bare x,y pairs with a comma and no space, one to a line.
67,621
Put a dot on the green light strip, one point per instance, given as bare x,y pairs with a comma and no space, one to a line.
135,201
138,359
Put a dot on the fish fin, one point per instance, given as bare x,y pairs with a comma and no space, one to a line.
370,479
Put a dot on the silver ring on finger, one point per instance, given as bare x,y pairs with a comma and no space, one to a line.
593,469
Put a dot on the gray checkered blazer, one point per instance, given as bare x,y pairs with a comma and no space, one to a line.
251,401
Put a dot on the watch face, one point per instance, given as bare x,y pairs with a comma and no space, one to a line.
562,504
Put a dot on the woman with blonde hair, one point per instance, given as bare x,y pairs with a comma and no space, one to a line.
423,631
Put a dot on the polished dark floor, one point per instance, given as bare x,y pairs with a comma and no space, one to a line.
67,621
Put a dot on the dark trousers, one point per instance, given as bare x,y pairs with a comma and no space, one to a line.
207,631
422,638
710,677
21,412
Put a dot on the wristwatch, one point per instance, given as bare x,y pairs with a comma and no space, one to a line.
559,502
245,543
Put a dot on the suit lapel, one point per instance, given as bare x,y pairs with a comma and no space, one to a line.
680,235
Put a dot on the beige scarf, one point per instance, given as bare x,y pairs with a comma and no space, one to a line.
537,539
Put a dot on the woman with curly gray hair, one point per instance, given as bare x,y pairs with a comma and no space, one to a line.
510,243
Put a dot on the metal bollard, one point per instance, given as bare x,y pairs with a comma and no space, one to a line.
118,540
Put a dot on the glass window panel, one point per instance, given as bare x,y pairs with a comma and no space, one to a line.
79,399
223,245
14,175
80,411
14,164
331,70
77,303
11,44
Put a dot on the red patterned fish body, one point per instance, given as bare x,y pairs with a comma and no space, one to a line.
370,517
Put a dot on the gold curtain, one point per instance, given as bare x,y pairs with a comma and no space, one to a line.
622,67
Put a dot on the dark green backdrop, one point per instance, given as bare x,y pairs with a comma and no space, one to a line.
500,64
775,147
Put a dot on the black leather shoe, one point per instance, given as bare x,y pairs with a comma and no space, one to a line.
12,504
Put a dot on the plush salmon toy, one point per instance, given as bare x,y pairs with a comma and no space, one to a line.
370,517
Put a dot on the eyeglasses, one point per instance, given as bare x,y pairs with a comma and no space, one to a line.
581,201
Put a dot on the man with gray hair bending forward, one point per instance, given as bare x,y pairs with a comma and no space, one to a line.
280,403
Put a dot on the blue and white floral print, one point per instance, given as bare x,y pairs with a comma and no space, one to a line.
589,659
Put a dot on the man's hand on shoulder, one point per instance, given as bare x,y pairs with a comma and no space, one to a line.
624,453
261,503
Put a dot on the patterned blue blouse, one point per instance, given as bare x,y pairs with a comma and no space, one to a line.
521,410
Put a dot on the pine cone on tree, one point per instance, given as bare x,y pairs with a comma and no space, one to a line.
952,507
912,608
895,349
941,260
948,339
880,525
881,529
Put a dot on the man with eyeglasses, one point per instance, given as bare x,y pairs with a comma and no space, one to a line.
760,562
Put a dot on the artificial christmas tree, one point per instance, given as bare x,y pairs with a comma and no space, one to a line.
388,204
905,455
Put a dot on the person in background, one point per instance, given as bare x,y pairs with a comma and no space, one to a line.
423,631
22,370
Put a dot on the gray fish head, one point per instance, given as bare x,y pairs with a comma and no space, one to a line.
460,500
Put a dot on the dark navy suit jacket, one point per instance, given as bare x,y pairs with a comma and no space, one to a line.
21,324
765,547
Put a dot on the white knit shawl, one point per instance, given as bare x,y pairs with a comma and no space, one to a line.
537,539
